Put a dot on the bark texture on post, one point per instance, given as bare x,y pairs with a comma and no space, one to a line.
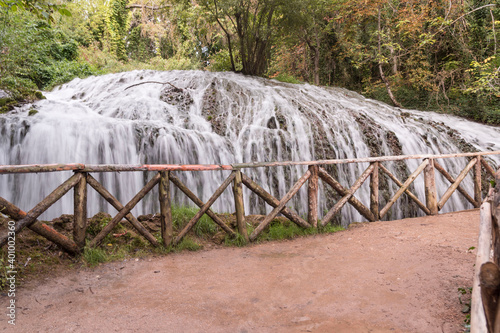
477,182
312,195
374,191
238,203
80,212
165,209
430,188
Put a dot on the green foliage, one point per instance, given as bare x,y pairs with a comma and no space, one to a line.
283,77
118,27
188,244
95,256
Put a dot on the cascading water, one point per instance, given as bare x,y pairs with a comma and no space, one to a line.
194,117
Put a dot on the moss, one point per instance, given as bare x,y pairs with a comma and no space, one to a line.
32,112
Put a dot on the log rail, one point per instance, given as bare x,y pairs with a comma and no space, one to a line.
485,309
164,177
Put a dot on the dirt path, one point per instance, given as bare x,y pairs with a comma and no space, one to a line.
399,276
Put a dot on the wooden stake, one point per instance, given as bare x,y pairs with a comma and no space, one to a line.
167,233
177,182
403,188
238,203
205,208
430,187
362,209
457,182
460,189
411,195
374,190
280,206
477,182
312,196
290,214
40,228
125,210
338,206
80,212
41,207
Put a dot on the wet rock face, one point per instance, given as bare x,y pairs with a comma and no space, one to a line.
176,96
211,111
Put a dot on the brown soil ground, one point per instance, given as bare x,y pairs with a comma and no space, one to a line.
399,276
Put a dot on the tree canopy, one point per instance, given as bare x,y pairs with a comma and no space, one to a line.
437,55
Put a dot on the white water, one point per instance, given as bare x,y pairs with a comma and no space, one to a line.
97,121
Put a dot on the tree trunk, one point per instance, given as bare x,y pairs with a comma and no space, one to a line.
386,82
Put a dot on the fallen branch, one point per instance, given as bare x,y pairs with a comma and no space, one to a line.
163,83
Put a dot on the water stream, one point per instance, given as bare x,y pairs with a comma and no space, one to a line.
222,118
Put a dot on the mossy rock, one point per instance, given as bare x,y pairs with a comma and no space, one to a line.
32,112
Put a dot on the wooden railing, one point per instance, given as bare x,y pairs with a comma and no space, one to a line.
165,176
485,309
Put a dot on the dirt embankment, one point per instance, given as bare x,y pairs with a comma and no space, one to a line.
399,276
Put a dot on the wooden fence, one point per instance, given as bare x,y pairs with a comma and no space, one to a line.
485,309
165,176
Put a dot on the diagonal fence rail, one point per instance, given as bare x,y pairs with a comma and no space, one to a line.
165,176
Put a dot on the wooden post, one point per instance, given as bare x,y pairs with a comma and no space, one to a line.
238,203
165,209
489,277
477,181
312,196
374,201
80,211
430,188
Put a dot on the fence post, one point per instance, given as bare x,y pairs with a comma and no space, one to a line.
238,203
80,212
374,181
165,209
312,196
430,188
477,181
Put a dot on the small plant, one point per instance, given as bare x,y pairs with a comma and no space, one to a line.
465,300
238,241
95,256
188,244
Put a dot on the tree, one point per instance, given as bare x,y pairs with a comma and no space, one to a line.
253,24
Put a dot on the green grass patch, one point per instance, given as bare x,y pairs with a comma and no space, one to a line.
188,244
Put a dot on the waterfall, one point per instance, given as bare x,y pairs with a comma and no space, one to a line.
196,117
